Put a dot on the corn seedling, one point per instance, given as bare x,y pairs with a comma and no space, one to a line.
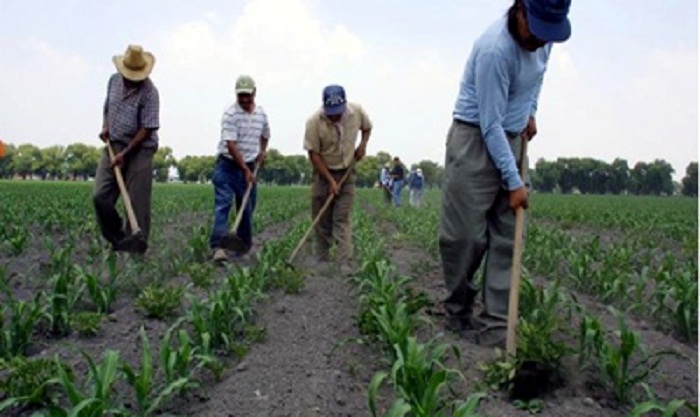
94,397
624,363
65,294
18,330
180,358
653,405
142,380
102,294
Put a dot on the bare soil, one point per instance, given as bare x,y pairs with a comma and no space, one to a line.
308,364
676,377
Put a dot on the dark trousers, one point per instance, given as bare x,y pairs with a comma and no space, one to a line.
137,172
229,182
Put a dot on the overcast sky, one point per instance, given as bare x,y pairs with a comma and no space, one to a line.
626,83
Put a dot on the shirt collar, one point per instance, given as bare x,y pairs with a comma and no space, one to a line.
242,110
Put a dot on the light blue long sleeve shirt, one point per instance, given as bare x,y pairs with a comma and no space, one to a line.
499,92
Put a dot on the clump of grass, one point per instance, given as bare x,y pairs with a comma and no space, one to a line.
28,381
159,301
86,323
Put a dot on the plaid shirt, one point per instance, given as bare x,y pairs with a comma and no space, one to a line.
129,110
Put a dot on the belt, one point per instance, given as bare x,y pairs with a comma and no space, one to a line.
476,126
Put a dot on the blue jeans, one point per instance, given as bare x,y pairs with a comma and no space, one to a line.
396,191
229,182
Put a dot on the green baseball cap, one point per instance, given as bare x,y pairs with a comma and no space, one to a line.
245,85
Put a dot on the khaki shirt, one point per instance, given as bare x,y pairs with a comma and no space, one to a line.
322,136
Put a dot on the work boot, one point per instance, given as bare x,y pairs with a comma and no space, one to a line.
132,244
492,338
465,327
220,255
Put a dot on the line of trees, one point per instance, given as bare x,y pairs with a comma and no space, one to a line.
79,161
565,175
592,176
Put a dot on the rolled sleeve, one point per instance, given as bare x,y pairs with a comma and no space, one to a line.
229,132
492,83
366,121
266,128
150,113
312,140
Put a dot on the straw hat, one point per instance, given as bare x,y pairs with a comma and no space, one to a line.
135,64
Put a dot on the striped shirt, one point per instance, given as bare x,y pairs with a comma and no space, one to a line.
245,129
127,110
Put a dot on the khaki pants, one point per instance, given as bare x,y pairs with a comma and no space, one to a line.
335,226
476,222
137,172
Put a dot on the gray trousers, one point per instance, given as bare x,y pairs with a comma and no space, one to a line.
476,222
335,226
138,178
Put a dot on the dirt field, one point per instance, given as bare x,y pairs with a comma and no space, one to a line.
313,359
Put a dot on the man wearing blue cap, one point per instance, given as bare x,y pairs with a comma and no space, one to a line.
494,112
330,138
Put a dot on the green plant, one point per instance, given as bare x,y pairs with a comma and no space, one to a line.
17,334
669,409
202,274
500,372
66,292
148,394
223,315
180,357
160,301
532,406
624,363
86,323
94,397
102,294
30,382
419,375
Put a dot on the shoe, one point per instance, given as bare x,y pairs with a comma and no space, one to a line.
132,244
244,250
493,338
467,328
220,255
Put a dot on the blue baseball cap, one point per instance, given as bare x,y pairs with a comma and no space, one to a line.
334,102
548,19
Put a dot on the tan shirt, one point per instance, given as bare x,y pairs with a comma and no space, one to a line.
336,145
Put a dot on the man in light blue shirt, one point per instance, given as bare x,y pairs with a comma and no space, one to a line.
494,112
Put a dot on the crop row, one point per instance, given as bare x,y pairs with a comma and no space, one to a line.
616,356
389,318
215,325
59,212
633,273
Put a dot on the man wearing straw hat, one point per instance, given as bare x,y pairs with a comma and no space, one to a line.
330,138
245,132
495,109
130,124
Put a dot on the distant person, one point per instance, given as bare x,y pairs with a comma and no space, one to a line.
245,133
330,139
129,124
494,112
416,183
385,182
398,175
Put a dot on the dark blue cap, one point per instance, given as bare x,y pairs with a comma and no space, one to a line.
334,101
548,19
